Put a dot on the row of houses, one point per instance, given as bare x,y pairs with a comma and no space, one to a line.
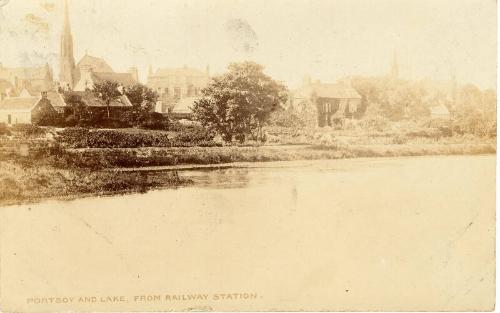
177,88
24,91
30,109
27,91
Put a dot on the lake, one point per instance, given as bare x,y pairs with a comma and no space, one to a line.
406,233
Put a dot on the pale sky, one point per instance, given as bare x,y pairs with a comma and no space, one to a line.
326,39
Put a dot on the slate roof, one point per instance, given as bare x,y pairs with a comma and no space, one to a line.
19,104
91,100
126,79
97,64
56,99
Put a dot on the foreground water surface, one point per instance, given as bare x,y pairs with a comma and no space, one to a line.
412,233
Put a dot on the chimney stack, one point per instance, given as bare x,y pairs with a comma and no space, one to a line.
135,73
44,95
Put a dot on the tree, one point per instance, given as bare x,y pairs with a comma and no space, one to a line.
239,102
108,92
142,97
143,101
76,105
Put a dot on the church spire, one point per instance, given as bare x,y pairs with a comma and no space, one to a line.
67,25
67,60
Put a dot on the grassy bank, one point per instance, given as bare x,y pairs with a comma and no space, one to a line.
20,184
143,157
67,167
81,172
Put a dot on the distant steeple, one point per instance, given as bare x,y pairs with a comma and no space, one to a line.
394,67
67,74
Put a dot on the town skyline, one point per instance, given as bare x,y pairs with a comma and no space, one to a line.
239,29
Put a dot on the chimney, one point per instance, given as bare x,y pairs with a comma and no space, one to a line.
44,95
208,69
135,73
150,70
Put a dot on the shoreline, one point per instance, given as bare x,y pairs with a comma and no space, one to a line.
269,164
20,184
154,159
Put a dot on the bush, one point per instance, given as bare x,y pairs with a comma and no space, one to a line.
194,136
377,123
28,130
154,120
110,138
284,118
433,133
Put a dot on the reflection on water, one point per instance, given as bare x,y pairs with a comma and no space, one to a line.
219,178
278,172
283,230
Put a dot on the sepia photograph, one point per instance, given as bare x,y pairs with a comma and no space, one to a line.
231,155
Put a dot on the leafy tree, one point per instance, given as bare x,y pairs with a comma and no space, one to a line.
143,100
108,92
76,105
239,102
142,97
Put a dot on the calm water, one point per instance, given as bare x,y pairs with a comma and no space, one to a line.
331,232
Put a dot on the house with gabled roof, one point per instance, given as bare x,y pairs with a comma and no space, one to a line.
89,77
178,109
97,106
329,101
36,79
98,65
177,83
26,110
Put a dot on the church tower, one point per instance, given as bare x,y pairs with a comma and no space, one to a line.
394,67
67,74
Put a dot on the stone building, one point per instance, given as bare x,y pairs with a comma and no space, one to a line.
26,110
98,107
90,69
88,78
174,84
35,79
68,72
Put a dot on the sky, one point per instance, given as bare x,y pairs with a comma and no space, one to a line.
326,39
